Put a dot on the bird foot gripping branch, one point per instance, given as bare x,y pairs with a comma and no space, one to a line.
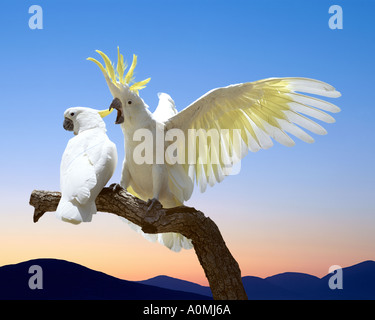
153,203
115,187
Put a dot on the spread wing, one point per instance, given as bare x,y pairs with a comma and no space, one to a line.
254,112
166,108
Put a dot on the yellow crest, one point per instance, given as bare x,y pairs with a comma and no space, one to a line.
116,75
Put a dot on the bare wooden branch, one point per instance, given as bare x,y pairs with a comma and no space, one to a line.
221,269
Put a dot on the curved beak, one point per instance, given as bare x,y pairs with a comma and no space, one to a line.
68,124
104,113
116,104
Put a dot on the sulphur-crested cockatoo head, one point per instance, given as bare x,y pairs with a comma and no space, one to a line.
122,86
78,119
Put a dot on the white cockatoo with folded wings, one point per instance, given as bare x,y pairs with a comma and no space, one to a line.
87,164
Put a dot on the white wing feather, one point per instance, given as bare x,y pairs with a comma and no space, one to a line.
78,178
262,110
166,108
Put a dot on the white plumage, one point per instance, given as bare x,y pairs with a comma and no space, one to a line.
87,164
260,111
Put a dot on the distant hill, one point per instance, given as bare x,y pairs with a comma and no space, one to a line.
358,283
177,284
67,280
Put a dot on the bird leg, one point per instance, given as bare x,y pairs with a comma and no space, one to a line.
158,172
153,203
116,104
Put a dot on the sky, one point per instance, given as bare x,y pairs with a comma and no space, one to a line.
298,209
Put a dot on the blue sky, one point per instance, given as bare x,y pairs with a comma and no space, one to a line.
189,48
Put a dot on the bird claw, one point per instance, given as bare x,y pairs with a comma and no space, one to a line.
115,187
151,203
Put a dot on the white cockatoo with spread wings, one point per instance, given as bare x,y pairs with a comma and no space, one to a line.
256,113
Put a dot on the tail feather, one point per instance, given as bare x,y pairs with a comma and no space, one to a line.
173,241
73,212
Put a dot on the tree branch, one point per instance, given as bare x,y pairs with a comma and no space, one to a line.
221,269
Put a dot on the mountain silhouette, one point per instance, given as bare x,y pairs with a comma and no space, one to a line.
358,283
67,280
177,284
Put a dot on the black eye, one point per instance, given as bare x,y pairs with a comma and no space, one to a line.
72,114
130,102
